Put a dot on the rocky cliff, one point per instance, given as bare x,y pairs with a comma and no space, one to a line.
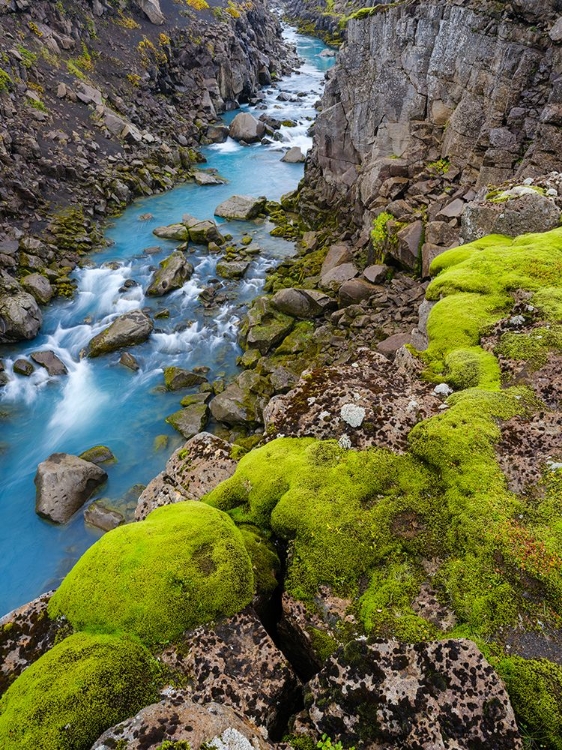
464,90
100,102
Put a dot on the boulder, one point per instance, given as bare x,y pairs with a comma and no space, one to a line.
201,232
174,271
26,634
39,287
355,290
23,367
217,133
50,362
176,378
422,696
192,470
264,327
199,725
102,518
243,401
177,232
297,303
63,484
236,662
390,346
126,330
234,269
245,127
99,454
152,10
337,275
428,253
204,178
376,274
20,316
127,360
337,255
293,156
523,210
407,248
241,207
190,420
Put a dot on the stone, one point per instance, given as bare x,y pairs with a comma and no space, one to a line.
196,724
355,290
20,317
63,484
241,207
408,245
234,269
127,360
152,10
555,32
390,346
236,662
376,274
177,232
264,327
38,286
50,362
126,330
293,156
190,420
88,94
23,367
390,694
452,210
529,212
98,454
245,127
217,133
174,271
204,178
176,378
337,255
429,252
192,470
441,233
98,515
297,303
202,232
242,401
26,634
337,275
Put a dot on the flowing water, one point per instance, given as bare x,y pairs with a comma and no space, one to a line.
102,402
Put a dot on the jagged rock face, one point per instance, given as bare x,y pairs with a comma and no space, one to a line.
425,696
417,82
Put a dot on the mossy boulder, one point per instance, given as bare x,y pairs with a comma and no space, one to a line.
75,691
264,327
127,330
174,271
184,565
98,454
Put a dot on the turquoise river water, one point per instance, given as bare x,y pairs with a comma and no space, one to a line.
102,402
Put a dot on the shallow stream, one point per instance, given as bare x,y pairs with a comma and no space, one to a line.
102,402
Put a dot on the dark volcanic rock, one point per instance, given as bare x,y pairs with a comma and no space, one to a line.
416,697
64,483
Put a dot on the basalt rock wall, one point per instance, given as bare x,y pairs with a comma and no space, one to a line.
475,84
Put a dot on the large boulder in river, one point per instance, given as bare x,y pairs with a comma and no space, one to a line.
20,316
177,232
50,362
241,207
63,484
293,156
126,330
246,128
202,231
174,271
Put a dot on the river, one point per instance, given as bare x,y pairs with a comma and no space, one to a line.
102,402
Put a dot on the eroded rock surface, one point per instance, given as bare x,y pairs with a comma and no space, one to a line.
63,484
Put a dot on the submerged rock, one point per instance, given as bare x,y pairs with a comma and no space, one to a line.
126,330
99,454
422,696
103,518
193,470
176,378
63,484
190,420
127,360
50,362
174,271
245,127
241,207
205,725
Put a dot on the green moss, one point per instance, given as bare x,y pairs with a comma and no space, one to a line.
532,347
535,690
184,565
5,81
265,561
472,291
76,691
379,234
322,643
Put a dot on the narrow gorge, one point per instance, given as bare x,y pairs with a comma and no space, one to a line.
330,259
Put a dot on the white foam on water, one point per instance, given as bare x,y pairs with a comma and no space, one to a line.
176,342
80,403
230,146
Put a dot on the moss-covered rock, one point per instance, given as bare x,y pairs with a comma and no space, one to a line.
75,691
184,565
